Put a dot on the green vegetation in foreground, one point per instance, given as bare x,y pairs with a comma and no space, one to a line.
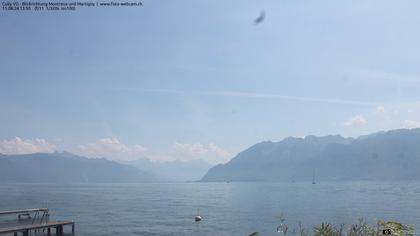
361,228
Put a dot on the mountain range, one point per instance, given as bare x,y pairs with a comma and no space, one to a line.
391,155
65,167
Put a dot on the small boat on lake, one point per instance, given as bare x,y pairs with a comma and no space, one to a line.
313,179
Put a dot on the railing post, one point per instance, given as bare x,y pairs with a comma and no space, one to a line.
58,230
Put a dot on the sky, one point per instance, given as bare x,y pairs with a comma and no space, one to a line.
199,80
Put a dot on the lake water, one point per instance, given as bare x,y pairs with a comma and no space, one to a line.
226,208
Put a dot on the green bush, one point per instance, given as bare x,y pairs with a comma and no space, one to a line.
361,228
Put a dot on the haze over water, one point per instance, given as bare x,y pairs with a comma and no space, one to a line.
227,208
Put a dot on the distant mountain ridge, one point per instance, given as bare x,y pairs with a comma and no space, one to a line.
66,167
192,170
392,155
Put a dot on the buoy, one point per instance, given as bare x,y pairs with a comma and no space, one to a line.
198,217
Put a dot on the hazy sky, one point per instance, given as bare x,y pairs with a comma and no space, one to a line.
197,79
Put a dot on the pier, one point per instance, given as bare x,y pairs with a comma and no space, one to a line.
37,224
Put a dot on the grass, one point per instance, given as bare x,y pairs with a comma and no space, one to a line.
360,228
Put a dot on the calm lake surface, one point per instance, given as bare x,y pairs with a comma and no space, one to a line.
226,208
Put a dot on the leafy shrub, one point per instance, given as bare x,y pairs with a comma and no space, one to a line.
361,228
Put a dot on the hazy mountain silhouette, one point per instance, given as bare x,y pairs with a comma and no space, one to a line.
392,155
66,167
173,170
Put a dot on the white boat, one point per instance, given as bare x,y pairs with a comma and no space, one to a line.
313,179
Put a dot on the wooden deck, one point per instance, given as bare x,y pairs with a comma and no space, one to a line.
58,225
38,223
